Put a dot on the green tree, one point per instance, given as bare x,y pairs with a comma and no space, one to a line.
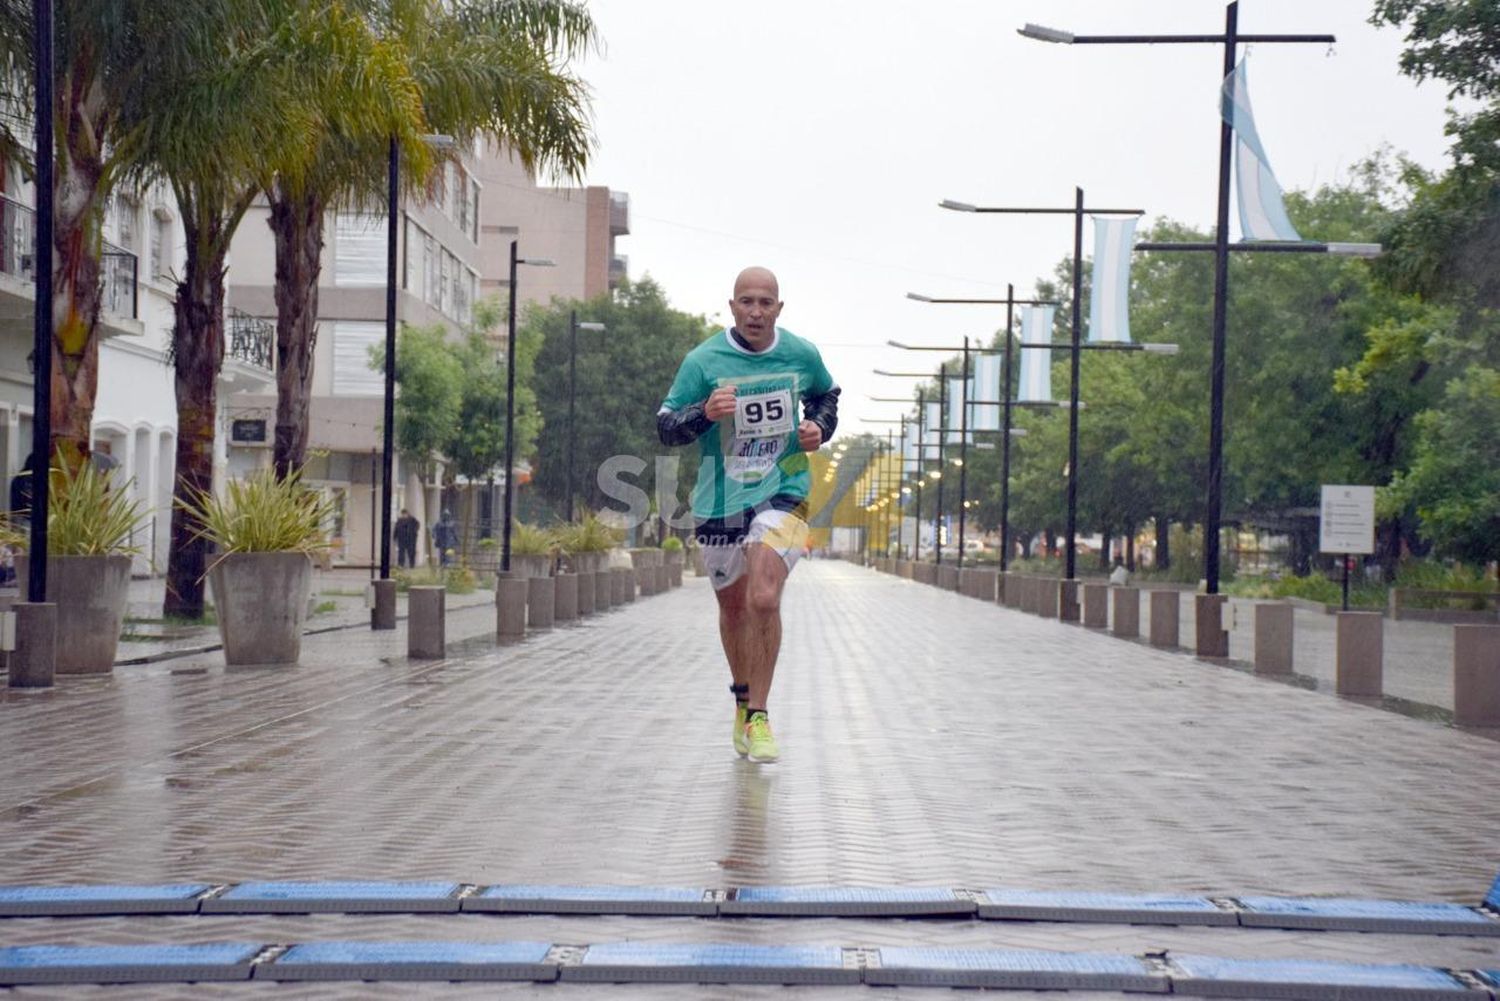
467,69
623,374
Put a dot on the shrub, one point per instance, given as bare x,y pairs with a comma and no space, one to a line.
531,540
261,514
671,544
86,517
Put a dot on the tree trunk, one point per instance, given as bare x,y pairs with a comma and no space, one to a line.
77,244
1163,542
198,355
1104,550
297,225
1130,549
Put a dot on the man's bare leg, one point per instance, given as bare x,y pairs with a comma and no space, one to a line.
761,632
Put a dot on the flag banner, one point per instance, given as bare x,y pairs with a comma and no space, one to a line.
1036,365
956,400
909,457
1262,208
1109,300
933,420
984,412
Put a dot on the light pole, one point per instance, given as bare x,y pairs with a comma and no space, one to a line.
573,327
937,532
1219,247
510,398
1077,212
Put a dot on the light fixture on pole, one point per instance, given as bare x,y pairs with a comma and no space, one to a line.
1220,247
510,399
573,327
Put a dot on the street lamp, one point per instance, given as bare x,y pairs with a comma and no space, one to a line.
1077,212
1219,247
510,398
573,327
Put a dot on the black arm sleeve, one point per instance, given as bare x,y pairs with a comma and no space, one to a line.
823,411
682,427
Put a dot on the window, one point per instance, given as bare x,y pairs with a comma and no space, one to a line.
352,372
474,211
127,222
429,271
359,250
445,277
161,228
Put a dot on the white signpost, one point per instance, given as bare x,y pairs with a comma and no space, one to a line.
1346,524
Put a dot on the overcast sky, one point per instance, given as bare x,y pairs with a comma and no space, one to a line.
817,137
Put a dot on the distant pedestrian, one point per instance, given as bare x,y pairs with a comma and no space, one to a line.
1119,577
406,532
445,538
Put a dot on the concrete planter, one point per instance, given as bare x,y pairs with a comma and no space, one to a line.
90,593
588,562
531,565
261,602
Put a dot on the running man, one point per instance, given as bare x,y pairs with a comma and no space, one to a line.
737,394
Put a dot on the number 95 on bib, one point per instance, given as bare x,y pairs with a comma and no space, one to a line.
763,415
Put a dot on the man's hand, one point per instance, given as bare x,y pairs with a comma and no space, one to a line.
809,436
720,404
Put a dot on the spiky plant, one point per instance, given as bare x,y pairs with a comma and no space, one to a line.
88,516
262,514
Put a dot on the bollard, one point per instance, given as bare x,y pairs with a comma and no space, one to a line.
603,590
1067,600
33,663
1211,638
383,612
1476,675
585,594
674,574
1164,616
1127,612
1359,657
564,597
510,606
907,569
663,579
1030,595
1096,606
624,592
1273,637
541,602
1047,593
645,579
1000,578
974,583
425,622
947,577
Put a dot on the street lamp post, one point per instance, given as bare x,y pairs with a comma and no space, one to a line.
573,327
1220,247
510,399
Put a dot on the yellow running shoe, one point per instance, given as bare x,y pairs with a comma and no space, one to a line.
741,742
763,748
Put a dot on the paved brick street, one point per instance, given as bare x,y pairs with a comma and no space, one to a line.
927,739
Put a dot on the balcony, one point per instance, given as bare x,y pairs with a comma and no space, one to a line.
619,269
117,276
251,340
619,213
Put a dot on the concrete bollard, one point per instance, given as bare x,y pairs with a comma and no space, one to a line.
1127,612
426,623
1096,606
33,663
383,613
541,602
1164,619
1211,639
674,574
1476,675
624,592
603,590
1067,600
1273,637
565,597
1047,595
585,594
947,577
1000,578
976,583
663,579
1030,595
1360,656
510,606
907,569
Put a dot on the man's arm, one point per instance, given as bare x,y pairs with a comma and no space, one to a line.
682,427
823,410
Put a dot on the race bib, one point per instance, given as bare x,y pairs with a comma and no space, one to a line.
763,415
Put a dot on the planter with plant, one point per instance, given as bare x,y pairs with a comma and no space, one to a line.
588,542
533,550
673,553
266,531
90,524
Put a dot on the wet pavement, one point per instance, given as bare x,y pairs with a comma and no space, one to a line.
928,740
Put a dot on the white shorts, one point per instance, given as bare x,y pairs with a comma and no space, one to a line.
781,530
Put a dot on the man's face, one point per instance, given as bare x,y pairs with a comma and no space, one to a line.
755,307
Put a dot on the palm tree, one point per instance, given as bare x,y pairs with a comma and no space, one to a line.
491,68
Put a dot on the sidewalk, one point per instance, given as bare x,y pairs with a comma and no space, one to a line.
928,740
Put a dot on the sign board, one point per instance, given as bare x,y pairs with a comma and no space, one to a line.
1347,520
246,431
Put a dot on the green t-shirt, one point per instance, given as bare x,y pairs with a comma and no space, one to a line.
751,457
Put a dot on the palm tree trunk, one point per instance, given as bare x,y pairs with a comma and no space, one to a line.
297,225
77,217
198,355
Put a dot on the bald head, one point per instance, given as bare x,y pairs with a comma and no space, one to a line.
756,305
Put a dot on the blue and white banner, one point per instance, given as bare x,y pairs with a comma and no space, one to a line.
1109,300
909,462
984,412
932,422
1262,209
956,401
1036,365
